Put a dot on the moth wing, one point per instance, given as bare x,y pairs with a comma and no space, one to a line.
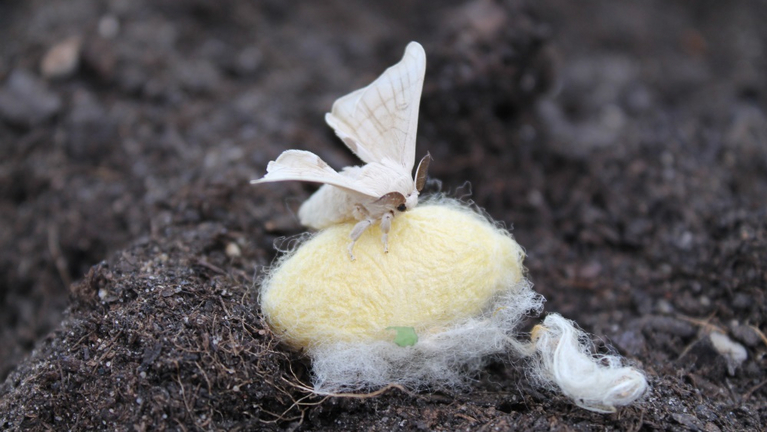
380,121
303,165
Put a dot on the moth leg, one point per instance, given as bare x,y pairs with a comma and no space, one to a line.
385,227
356,233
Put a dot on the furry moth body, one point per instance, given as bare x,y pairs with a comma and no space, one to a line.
378,123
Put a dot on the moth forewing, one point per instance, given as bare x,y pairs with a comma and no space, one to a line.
380,121
306,166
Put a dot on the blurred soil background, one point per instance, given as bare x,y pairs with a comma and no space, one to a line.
625,142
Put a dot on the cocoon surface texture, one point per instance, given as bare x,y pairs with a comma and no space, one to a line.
445,263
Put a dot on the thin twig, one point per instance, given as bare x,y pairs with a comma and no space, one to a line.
750,391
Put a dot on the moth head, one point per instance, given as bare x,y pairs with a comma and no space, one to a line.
394,201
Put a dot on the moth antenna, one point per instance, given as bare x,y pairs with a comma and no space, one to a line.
422,171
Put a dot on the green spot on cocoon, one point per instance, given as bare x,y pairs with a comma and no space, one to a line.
405,336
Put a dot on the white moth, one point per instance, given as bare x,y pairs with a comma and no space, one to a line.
378,123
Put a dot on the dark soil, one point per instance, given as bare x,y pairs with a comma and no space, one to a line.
626,142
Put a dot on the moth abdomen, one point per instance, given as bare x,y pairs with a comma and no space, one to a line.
328,206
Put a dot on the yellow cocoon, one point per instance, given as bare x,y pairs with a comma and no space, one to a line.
445,264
